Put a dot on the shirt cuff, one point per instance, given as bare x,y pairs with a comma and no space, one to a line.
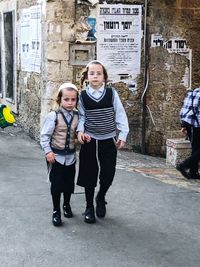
184,124
122,136
47,150
80,129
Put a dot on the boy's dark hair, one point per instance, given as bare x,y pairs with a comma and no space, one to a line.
85,72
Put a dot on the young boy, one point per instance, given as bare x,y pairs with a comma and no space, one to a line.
101,112
58,142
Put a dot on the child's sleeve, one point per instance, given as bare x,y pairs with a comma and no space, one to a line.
47,132
81,112
120,117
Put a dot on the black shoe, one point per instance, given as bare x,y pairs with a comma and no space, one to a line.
56,218
67,211
194,176
89,215
183,171
100,207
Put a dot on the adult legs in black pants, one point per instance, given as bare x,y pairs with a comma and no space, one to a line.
194,166
191,172
188,163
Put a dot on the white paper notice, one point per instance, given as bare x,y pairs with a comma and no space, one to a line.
119,33
30,27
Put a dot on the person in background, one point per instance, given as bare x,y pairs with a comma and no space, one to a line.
190,126
57,139
100,114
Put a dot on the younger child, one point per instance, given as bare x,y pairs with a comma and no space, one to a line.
101,112
58,142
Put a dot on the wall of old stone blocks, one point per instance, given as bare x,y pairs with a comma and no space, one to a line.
29,87
38,91
157,117
152,120
131,100
60,32
167,71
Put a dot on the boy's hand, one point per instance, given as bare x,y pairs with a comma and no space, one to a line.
87,138
50,157
120,144
81,137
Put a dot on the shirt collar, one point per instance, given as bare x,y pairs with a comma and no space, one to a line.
92,91
66,112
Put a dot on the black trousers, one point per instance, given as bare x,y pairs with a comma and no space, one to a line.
97,159
192,162
62,178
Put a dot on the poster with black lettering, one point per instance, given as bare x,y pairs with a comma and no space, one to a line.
30,29
119,33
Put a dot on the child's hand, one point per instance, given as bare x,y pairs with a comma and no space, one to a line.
87,138
50,157
120,144
81,137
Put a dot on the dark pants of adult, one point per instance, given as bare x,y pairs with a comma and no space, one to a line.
97,159
192,162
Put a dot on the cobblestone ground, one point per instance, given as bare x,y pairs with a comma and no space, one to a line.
152,167
156,168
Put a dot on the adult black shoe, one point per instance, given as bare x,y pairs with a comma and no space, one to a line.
100,207
183,171
67,211
56,218
195,176
89,215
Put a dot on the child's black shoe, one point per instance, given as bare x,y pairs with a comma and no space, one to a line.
100,207
89,215
56,218
67,211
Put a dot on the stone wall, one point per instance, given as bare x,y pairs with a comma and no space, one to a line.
167,71
29,88
60,31
154,115
156,118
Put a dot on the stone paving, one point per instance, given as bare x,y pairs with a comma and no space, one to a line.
149,222
156,168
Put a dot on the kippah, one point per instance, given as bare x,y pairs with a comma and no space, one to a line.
93,62
67,85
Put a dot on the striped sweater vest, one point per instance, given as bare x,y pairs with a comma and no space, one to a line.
99,116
